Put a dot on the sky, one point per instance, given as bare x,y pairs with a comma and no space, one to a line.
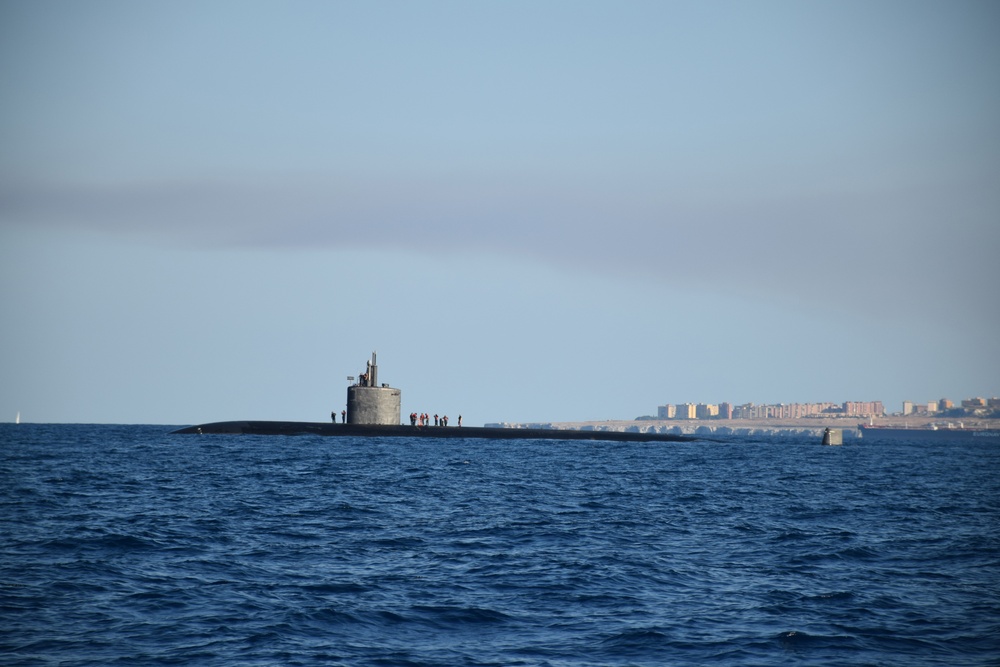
532,211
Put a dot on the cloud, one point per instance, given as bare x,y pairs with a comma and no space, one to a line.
890,252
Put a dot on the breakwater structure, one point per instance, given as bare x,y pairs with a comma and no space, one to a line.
702,430
374,409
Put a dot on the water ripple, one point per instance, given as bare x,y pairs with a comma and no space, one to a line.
125,545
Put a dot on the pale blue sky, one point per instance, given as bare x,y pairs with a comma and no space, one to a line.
532,211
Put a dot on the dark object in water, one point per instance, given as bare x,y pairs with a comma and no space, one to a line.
398,431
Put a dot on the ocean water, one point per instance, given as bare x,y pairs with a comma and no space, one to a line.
125,545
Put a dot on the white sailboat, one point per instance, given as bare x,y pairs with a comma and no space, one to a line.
17,419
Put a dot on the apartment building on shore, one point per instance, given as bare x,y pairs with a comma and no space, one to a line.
778,411
859,409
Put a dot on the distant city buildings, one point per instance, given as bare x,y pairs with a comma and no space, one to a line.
687,411
779,411
982,407
706,411
854,409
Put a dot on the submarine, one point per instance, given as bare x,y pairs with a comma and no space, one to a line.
373,411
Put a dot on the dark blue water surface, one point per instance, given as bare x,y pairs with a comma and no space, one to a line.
127,545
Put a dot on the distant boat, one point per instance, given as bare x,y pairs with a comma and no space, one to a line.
17,419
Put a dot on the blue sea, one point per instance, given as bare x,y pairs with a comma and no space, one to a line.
126,545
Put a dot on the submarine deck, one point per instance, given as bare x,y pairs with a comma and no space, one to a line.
391,431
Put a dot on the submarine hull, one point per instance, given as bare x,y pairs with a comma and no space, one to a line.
401,431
